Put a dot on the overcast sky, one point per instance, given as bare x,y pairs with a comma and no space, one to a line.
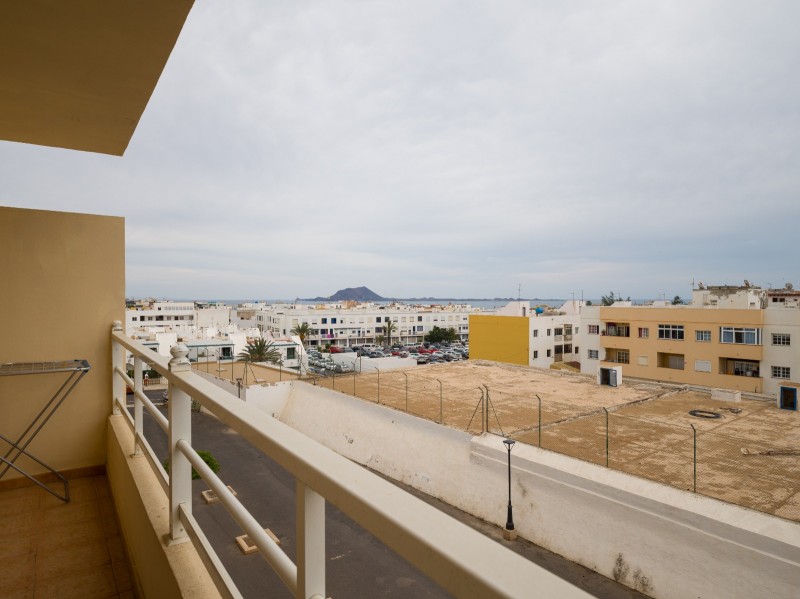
454,149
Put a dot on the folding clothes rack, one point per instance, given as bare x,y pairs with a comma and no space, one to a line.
75,370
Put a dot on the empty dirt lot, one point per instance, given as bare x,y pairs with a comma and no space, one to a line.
748,457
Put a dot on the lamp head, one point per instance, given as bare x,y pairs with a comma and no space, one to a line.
509,443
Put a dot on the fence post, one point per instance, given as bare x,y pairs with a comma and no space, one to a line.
117,361
333,385
441,417
180,428
486,410
406,375
354,380
138,417
694,458
540,420
379,384
606,411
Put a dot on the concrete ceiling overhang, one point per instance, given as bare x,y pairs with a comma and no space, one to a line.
78,73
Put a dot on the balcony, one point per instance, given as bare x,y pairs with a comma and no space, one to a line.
93,434
617,330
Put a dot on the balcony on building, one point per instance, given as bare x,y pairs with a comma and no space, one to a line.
617,356
618,329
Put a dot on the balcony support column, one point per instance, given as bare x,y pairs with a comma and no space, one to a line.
117,361
180,428
310,543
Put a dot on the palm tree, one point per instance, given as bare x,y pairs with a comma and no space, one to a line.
260,350
388,328
303,331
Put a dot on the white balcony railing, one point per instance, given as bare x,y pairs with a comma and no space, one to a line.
464,562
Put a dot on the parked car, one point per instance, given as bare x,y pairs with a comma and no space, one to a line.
423,359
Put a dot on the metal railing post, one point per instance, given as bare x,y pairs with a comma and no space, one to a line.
138,416
606,411
379,383
180,428
333,385
117,361
310,542
694,458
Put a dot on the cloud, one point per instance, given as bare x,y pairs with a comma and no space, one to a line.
450,148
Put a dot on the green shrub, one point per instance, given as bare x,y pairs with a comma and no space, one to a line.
206,456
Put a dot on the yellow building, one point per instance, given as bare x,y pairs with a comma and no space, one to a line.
499,338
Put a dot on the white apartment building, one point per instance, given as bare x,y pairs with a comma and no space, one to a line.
351,323
187,319
555,334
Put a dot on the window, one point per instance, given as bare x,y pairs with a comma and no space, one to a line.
535,332
593,354
777,338
780,372
576,350
644,333
378,319
548,332
670,331
290,353
577,330
744,336
567,348
325,321
333,321
559,331
702,365
419,318
548,353
623,356
594,329
535,354
702,336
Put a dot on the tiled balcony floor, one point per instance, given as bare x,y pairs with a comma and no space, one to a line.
53,549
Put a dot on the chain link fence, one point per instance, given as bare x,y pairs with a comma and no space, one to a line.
696,459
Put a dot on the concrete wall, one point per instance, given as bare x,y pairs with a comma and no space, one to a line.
667,543
161,572
63,286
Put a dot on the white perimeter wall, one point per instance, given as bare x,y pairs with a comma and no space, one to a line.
668,543
270,398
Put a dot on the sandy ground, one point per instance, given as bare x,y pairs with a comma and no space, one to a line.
649,428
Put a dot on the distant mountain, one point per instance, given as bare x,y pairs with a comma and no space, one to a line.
358,294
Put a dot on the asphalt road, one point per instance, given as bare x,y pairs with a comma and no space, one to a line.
358,564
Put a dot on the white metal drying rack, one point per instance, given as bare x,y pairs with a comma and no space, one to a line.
75,370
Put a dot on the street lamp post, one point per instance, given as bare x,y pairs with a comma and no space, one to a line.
509,443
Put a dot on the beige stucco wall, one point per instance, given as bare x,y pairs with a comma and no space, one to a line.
161,571
63,286
692,319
